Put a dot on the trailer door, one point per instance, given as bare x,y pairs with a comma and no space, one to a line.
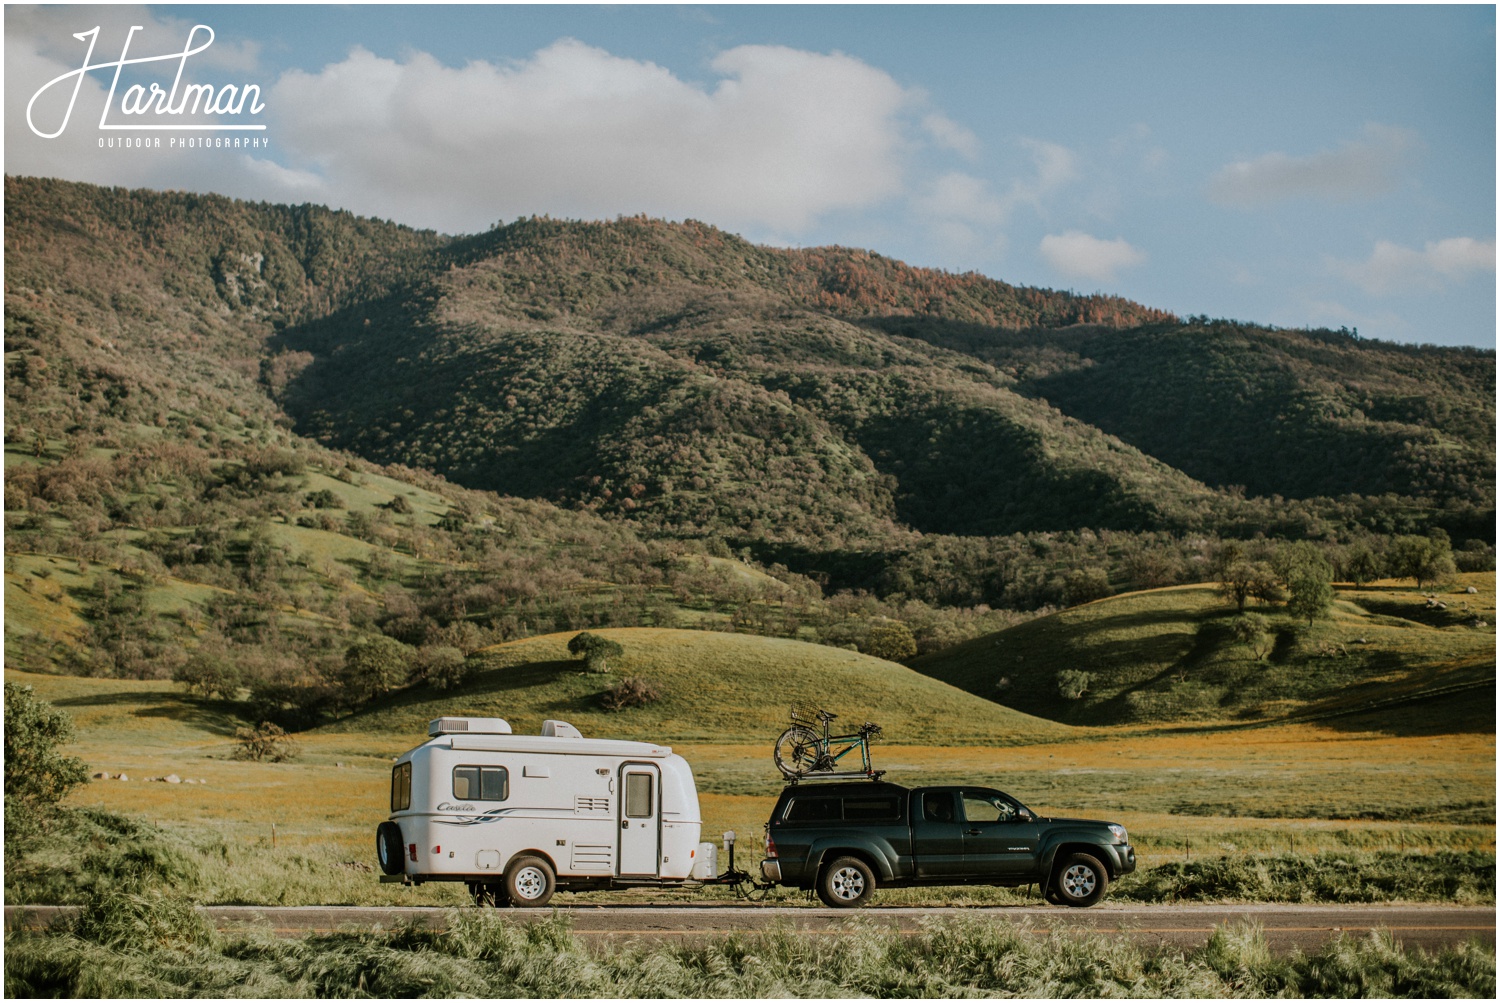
640,820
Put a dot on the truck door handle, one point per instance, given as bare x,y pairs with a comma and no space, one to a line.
971,832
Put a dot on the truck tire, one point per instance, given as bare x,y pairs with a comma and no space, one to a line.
846,883
529,881
1079,880
389,848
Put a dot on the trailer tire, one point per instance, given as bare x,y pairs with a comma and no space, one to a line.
529,881
389,848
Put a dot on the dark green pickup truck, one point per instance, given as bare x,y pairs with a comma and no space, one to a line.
845,838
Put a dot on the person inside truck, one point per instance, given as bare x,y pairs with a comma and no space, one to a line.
937,807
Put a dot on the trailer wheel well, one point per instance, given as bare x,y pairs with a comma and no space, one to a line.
532,853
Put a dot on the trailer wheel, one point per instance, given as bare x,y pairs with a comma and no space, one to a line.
846,883
389,849
529,881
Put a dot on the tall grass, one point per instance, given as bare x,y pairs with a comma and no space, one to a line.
482,954
1446,876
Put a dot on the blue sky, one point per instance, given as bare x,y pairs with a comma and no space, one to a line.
1298,166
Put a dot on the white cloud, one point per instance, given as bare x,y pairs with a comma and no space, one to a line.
1359,168
776,138
1392,268
782,138
1079,255
950,135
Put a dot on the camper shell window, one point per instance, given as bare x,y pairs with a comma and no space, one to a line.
481,783
401,787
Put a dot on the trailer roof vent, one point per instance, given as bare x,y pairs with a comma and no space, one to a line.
468,726
559,729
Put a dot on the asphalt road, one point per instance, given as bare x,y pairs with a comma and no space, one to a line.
1305,927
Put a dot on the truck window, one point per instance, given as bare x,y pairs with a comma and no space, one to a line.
401,787
481,783
937,806
638,795
984,808
881,809
813,810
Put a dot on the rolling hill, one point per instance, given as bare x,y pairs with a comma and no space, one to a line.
1171,655
714,687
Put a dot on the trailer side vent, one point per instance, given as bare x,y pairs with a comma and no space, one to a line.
468,726
583,804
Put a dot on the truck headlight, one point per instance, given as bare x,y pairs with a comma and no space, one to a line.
1118,831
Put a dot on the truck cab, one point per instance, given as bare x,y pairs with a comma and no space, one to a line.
845,839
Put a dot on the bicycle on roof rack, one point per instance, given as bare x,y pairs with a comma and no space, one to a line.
800,750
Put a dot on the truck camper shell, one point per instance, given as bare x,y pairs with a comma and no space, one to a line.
515,817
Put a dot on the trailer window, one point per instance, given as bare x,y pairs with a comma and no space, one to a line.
638,795
481,783
401,787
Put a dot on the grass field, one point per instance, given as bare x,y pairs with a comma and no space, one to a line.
1170,655
302,832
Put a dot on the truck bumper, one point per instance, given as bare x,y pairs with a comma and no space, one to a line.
1124,859
770,869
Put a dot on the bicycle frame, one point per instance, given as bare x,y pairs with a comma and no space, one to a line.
828,760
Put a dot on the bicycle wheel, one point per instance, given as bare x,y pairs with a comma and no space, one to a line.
797,751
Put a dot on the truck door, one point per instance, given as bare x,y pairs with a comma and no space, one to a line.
937,834
640,820
997,840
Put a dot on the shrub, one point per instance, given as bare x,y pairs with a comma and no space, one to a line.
632,691
37,775
265,743
892,640
439,666
595,650
1072,684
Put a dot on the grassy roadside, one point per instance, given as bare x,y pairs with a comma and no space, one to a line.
114,951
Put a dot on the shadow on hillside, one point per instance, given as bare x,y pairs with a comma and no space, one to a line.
215,718
500,679
1418,716
203,717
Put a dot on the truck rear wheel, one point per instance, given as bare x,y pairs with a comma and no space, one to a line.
389,849
529,881
846,883
1079,880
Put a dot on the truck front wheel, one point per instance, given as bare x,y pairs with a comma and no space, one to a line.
846,883
529,881
1079,880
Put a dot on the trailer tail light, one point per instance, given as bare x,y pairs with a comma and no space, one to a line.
437,849
411,850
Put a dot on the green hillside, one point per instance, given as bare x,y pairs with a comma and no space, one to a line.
635,424
1295,413
1172,655
714,688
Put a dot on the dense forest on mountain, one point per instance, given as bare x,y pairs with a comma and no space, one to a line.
272,429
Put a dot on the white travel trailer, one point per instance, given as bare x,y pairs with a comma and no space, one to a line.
516,817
